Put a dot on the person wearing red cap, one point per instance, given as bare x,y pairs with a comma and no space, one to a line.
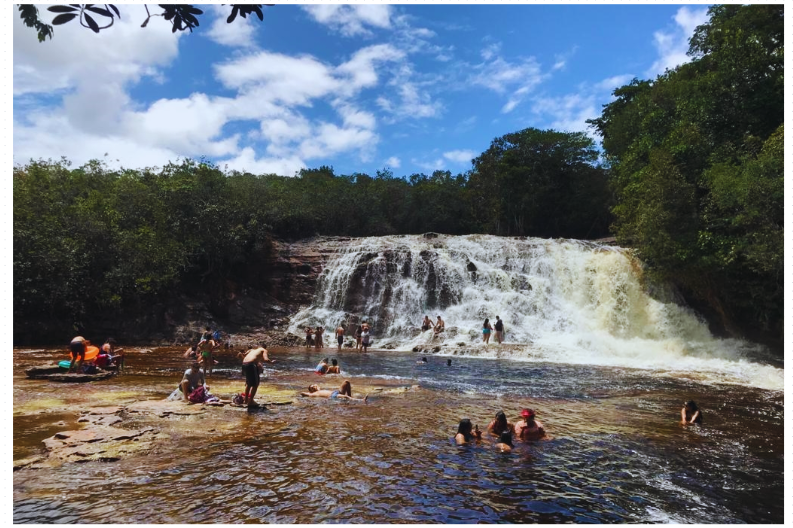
528,428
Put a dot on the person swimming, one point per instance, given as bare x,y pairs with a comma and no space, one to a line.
334,368
690,413
504,443
322,367
528,428
422,361
499,424
466,433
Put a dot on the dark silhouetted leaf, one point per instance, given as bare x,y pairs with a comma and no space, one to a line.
91,23
233,15
61,9
258,11
100,11
115,10
62,19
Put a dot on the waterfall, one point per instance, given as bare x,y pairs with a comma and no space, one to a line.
563,301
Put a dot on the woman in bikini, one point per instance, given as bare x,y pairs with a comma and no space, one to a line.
343,392
486,329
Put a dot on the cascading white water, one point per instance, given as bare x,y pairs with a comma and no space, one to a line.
562,301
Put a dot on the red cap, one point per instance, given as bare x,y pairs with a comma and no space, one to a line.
526,413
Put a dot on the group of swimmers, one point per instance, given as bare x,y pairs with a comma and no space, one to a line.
526,429
363,336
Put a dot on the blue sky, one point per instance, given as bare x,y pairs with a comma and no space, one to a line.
413,88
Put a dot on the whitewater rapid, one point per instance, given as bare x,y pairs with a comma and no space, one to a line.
562,301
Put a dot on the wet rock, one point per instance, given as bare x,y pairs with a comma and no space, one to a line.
101,443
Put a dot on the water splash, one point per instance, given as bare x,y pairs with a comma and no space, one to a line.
563,301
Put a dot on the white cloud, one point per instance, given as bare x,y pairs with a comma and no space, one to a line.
614,82
501,76
117,57
99,116
672,45
460,156
239,34
491,51
429,166
246,161
569,112
351,20
393,162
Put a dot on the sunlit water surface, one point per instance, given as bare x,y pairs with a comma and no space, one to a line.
616,452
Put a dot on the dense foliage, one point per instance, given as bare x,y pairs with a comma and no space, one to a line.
696,161
92,240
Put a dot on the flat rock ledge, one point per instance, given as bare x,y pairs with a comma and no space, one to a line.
101,441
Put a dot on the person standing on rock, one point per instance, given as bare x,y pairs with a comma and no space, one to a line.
309,337
77,347
340,335
358,332
499,330
486,329
252,366
365,337
205,349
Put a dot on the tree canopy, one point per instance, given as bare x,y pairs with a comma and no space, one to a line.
696,161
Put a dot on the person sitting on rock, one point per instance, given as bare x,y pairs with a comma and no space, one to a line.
193,378
344,392
334,367
322,367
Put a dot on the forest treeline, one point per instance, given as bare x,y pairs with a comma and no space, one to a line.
690,175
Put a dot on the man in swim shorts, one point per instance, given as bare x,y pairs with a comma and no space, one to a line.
340,335
77,348
252,365
499,327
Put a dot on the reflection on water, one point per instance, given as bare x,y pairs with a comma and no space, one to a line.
616,452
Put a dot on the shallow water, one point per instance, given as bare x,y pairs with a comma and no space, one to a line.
616,452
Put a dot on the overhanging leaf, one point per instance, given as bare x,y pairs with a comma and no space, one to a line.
61,9
62,19
91,23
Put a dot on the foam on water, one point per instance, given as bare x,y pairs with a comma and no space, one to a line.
563,301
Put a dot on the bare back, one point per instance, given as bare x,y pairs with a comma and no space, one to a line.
256,355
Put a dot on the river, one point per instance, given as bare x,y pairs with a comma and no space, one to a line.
616,452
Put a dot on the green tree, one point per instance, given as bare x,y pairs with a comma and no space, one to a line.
695,163
540,183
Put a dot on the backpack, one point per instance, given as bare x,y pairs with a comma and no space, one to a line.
199,395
